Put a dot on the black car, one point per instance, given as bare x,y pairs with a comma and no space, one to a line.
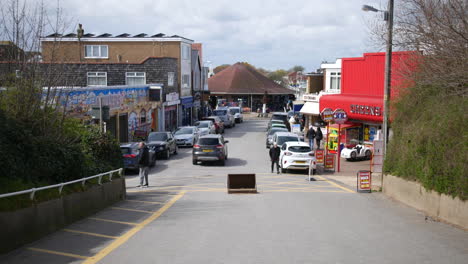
163,143
131,155
211,147
283,116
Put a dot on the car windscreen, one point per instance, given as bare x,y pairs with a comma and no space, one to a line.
208,141
157,137
301,149
185,130
220,112
126,151
279,117
201,124
281,140
234,110
272,131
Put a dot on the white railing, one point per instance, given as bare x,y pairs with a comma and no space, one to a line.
61,185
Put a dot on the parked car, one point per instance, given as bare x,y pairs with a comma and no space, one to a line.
271,132
297,156
219,124
356,151
163,144
281,137
131,155
237,113
225,115
210,148
283,116
274,121
279,125
205,127
186,136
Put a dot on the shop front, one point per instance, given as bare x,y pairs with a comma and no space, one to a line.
170,111
187,105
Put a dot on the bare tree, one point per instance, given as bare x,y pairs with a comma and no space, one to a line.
439,30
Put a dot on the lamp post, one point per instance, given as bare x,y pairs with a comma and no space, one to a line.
388,16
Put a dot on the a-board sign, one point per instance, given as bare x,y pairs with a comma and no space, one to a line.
327,115
296,128
364,181
330,161
319,156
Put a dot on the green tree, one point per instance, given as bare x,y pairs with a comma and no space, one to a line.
278,76
297,68
220,68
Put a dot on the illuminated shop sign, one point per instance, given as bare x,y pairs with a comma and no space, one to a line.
366,110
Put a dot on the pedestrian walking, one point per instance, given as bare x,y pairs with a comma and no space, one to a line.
318,136
274,157
143,164
311,136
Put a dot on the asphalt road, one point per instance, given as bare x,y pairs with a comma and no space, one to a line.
186,216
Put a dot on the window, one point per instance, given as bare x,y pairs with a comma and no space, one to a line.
186,52
135,78
97,78
170,79
185,80
96,51
335,80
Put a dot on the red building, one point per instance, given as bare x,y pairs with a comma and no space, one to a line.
362,88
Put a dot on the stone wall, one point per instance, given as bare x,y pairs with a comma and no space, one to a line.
438,206
26,225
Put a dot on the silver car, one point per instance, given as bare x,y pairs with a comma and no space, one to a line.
225,115
186,136
206,127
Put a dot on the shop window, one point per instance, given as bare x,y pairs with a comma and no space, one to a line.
135,78
335,80
96,51
97,78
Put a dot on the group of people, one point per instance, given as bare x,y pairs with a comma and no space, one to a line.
314,135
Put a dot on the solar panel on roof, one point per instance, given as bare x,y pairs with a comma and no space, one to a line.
105,35
89,35
70,35
159,35
124,35
141,35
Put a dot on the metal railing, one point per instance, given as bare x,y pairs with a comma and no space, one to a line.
61,185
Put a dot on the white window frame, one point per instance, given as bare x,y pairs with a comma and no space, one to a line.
96,75
135,75
99,51
335,76
186,52
186,80
170,78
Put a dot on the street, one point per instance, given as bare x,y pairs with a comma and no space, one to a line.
186,216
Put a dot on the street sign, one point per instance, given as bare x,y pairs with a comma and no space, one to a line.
319,156
340,116
364,181
327,115
330,161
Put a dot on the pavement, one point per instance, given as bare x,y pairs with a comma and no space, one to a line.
187,216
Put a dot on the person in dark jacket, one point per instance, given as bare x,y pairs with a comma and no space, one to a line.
144,163
274,157
311,136
318,136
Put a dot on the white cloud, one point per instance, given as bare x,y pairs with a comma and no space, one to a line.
270,34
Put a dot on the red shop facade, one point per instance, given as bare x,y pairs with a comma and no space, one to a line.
362,88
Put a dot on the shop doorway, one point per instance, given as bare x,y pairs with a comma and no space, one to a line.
123,128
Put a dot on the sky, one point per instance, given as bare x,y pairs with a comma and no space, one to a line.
274,34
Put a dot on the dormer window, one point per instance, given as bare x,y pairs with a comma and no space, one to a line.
96,51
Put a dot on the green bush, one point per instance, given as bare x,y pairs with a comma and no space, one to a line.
430,140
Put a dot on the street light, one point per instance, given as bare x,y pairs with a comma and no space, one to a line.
388,16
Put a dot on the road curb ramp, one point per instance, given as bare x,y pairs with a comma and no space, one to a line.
242,183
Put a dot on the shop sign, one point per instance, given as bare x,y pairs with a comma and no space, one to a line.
330,161
310,98
327,115
340,116
364,181
319,156
170,97
365,110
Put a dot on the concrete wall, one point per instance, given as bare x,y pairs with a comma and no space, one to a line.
29,224
438,206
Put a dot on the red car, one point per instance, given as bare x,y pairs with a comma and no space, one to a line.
219,124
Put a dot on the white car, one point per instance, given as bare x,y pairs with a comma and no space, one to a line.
297,156
357,152
186,136
237,113
205,127
280,137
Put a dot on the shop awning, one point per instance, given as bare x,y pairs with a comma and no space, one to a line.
310,108
360,108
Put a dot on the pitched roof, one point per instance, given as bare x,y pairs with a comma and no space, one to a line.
242,79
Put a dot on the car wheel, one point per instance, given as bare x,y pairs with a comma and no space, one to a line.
153,162
283,170
168,154
222,162
314,171
368,154
194,161
353,155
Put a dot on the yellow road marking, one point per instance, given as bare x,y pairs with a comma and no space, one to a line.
132,210
112,221
58,253
121,240
89,233
301,191
139,201
337,185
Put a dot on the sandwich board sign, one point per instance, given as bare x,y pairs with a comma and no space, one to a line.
364,181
